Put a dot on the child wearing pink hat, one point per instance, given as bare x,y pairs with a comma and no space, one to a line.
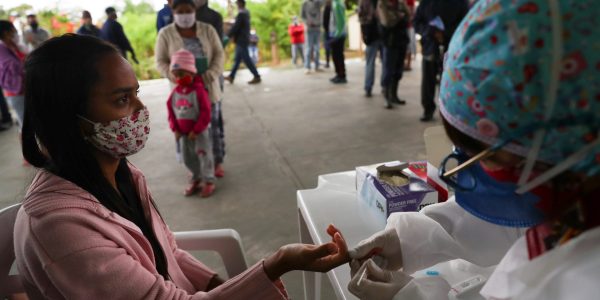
189,118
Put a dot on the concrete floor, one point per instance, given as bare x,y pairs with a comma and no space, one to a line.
280,136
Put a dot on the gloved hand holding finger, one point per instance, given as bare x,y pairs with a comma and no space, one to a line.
372,282
384,243
355,265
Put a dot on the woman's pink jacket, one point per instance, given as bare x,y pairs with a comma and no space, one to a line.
69,246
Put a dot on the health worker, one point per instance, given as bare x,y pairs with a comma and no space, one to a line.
520,100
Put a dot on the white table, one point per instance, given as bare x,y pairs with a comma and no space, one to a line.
334,201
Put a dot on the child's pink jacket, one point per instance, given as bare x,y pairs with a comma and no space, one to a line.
69,246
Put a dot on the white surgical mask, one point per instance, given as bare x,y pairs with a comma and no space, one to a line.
185,20
122,137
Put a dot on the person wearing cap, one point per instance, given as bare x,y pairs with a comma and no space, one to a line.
189,119
87,27
240,34
34,35
112,32
521,106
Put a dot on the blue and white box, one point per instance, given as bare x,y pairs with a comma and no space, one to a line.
386,199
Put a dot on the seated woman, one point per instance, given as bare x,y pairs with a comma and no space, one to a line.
88,227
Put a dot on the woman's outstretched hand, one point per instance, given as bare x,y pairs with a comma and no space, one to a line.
307,257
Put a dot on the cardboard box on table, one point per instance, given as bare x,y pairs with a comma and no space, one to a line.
386,199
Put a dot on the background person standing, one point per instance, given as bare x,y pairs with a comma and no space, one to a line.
210,16
87,27
240,33
203,41
34,35
337,28
326,33
430,17
369,26
311,15
164,16
113,32
296,32
393,19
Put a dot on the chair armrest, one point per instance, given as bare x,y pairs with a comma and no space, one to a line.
226,242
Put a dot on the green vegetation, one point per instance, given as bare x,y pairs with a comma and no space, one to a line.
139,22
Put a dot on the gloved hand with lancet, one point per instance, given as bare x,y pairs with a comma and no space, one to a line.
371,282
384,244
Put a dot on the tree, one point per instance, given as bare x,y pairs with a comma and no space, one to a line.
141,8
21,9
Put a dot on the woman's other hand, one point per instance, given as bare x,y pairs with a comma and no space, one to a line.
307,257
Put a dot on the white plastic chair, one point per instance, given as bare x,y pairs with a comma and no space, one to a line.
437,144
226,242
9,284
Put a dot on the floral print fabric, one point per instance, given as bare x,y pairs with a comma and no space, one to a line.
122,137
498,71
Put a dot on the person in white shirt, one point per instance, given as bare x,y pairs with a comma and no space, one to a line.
520,101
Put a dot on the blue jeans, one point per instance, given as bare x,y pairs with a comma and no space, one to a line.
371,58
297,52
18,105
253,51
312,47
241,53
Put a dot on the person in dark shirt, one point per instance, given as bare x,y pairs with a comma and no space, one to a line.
326,33
87,27
113,32
164,16
240,33
435,21
217,130
208,15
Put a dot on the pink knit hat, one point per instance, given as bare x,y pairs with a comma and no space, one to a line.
183,60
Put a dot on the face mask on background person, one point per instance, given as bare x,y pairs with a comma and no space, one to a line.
122,137
185,80
185,20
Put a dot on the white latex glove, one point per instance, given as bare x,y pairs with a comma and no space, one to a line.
385,244
372,282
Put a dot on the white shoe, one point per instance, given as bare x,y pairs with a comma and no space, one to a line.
307,71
